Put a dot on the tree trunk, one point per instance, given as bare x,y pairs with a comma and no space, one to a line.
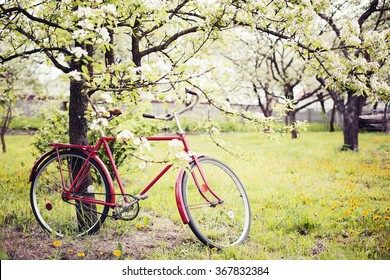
78,134
3,144
332,118
4,128
78,104
292,119
352,112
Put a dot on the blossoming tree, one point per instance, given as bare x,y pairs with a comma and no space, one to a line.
346,43
82,38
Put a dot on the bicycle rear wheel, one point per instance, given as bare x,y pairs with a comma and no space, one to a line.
53,211
216,223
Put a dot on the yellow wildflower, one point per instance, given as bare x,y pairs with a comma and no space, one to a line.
387,218
364,213
81,254
346,212
117,253
376,217
57,243
70,251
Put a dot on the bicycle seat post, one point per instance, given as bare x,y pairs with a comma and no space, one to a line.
180,129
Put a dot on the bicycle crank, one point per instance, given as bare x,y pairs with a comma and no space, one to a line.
127,208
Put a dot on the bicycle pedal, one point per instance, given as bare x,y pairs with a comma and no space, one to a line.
141,197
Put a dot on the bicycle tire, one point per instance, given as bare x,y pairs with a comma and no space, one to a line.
216,225
69,218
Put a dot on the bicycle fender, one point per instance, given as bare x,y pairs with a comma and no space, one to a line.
33,171
179,197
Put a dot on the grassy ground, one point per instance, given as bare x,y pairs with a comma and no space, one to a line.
309,201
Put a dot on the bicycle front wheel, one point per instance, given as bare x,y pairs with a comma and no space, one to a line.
53,210
219,212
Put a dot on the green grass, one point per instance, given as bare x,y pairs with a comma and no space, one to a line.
309,199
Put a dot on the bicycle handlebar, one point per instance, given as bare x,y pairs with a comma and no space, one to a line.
170,117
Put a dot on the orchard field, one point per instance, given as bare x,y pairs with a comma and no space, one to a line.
309,200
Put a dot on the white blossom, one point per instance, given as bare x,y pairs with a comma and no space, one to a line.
191,153
104,34
79,52
174,143
137,141
98,124
107,98
125,135
153,4
86,24
109,8
75,75
84,12
80,34
145,144
183,155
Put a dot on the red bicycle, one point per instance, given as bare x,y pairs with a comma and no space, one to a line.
72,191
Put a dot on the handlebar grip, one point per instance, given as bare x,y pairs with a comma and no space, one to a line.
191,92
148,116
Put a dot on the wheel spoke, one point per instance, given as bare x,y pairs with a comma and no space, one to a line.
62,217
217,223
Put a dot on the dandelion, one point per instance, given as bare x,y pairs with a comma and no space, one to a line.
57,243
346,212
81,254
117,253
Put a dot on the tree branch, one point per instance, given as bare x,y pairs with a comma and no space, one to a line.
166,44
46,51
30,16
368,13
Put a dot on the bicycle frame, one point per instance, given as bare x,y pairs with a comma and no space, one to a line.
92,151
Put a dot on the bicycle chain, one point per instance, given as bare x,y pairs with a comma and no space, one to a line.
95,211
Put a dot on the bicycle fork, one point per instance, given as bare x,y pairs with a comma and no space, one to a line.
202,188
